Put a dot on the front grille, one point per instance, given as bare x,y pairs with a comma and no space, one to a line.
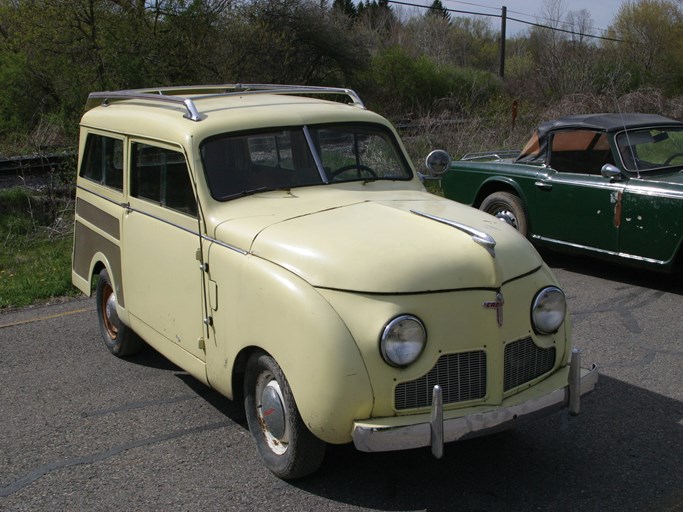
461,377
524,361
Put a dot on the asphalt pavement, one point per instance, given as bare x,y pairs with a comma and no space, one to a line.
83,430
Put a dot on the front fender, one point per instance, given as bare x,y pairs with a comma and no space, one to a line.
261,305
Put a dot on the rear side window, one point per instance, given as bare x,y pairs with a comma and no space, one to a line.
161,176
580,151
103,161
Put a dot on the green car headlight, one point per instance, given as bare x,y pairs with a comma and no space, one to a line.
548,310
403,340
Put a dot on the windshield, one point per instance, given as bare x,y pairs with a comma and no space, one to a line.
237,165
652,148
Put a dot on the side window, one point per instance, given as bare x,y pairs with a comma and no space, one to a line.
103,161
160,175
580,151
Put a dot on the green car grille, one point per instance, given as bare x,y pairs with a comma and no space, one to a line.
524,361
462,376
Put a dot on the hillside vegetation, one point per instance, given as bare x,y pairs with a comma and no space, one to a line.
425,67
434,74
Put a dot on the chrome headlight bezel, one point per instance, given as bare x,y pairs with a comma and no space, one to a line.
403,340
548,310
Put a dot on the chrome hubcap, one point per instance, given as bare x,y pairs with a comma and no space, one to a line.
110,310
110,317
271,413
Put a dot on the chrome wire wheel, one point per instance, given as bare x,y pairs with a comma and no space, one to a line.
507,216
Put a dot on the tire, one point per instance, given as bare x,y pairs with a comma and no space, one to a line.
507,207
288,449
119,339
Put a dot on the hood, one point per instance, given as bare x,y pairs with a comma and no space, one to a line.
381,243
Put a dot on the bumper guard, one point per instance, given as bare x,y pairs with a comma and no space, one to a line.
438,431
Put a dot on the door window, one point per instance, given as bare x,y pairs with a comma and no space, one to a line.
160,175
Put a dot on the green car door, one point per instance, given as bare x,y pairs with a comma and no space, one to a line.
574,203
652,224
576,209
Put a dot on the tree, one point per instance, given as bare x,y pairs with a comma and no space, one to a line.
346,7
580,24
437,9
652,48
290,42
377,15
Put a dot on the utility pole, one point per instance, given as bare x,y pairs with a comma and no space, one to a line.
503,20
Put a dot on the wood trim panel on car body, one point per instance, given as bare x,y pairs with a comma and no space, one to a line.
96,237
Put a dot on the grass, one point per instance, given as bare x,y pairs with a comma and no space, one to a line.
35,247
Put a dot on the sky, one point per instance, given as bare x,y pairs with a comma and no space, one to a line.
602,12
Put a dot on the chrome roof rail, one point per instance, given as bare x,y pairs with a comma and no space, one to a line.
188,96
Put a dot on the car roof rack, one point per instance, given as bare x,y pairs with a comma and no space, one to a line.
189,95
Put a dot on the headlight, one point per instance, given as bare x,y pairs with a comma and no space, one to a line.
403,340
548,310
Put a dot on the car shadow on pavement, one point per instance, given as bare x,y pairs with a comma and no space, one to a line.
152,359
623,453
672,283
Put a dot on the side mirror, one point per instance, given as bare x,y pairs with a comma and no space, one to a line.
438,162
611,172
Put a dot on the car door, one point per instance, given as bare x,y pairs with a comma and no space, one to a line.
572,203
651,220
160,241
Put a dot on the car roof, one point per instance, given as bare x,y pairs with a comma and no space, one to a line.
176,114
608,122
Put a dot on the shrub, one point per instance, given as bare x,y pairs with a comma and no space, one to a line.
399,83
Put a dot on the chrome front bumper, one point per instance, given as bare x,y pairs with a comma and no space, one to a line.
434,431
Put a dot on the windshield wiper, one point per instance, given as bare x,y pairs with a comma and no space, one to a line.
245,193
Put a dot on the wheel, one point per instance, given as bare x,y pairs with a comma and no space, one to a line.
507,207
360,168
285,444
120,340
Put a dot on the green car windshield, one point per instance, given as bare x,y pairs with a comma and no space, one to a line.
649,149
246,163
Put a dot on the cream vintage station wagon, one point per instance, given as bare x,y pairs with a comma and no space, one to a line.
277,243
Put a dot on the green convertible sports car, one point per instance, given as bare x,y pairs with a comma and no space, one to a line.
609,185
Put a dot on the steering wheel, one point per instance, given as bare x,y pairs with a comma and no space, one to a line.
675,155
359,169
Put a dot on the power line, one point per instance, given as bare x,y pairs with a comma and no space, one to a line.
489,15
510,11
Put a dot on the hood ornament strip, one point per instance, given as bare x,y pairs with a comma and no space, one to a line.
483,239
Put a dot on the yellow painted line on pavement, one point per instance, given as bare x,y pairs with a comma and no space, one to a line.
48,317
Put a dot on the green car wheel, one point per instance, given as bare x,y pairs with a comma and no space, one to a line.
508,208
